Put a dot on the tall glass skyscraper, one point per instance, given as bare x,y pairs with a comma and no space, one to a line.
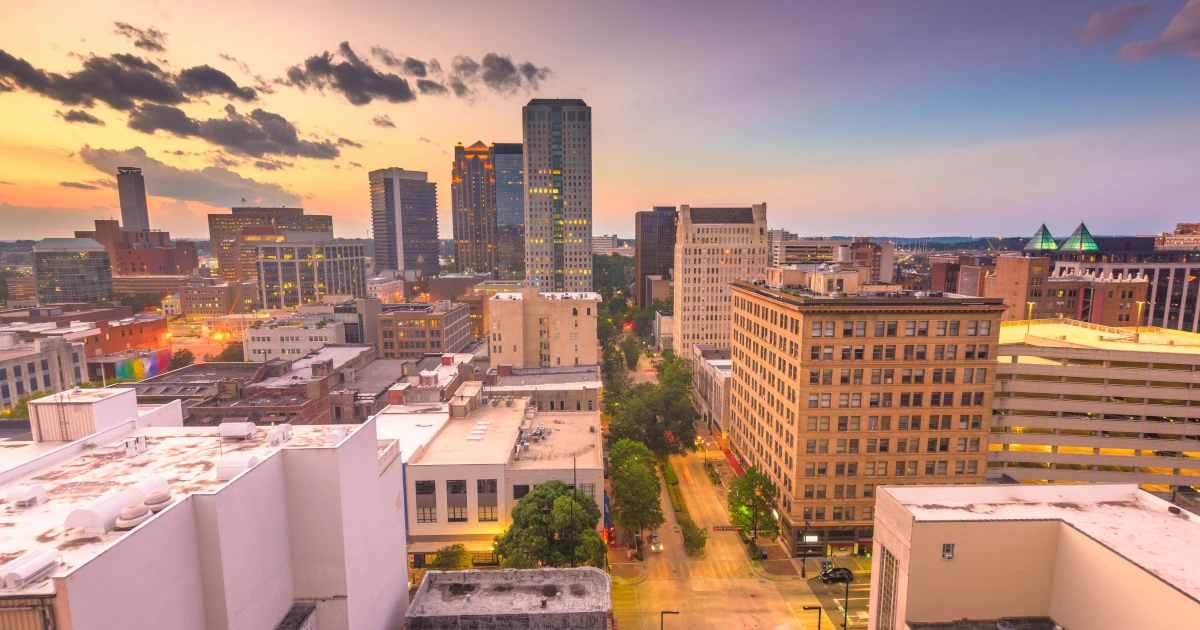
558,194
508,159
473,208
404,220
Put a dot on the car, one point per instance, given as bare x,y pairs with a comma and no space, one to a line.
655,542
836,575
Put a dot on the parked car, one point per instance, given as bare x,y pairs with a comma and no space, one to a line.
655,542
836,575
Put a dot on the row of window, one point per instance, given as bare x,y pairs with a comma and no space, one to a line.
427,499
903,423
901,468
884,399
911,352
908,376
884,445
981,328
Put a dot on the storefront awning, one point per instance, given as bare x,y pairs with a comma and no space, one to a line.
474,546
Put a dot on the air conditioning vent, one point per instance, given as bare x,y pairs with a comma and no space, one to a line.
947,555
28,567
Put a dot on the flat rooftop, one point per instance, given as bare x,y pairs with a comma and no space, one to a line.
550,295
375,377
205,372
1069,333
185,456
411,426
302,368
458,442
575,439
867,300
1130,522
512,592
583,375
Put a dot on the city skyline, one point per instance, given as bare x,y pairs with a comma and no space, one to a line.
984,119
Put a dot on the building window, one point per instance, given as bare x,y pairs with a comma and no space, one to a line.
457,515
488,514
519,492
887,590
426,501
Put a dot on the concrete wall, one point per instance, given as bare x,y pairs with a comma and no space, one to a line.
149,581
443,530
1096,589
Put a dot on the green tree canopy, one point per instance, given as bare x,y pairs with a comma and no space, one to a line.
660,416
232,353
608,274
631,347
21,409
452,558
552,526
637,493
182,358
751,504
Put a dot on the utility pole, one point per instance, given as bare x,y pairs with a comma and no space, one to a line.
574,498
846,611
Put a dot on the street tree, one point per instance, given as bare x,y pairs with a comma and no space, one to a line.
631,347
552,526
637,493
452,558
231,353
752,503
181,359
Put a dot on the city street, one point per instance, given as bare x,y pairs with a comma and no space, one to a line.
724,589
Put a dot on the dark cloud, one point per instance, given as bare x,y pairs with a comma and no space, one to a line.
429,86
150,39
435,67
1107,25
346,142
260,83
351,76
221,159
500,73
205,80
120,81
256,134
383,121
425,140
80,185
460,89
355,164
465,68
271,165
1181,37
4,183
386,56
415,67
534,75
211,185
79,116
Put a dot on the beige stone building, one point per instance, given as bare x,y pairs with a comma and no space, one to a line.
410,331
828,279
713,247
1103,557
833,397
532,329
1030,288
1080,402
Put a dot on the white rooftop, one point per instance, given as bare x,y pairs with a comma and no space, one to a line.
1132,523
411,426
302,368
550,295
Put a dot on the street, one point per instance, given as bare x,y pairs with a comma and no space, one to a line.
724,589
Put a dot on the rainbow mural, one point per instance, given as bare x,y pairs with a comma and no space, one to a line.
138,368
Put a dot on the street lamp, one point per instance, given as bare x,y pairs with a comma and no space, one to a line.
663,616
818,609
846,611
804,549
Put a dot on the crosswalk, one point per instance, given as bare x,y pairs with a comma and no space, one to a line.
625,607
685,570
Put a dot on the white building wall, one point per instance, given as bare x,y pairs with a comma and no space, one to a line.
290,342
440,474
146,581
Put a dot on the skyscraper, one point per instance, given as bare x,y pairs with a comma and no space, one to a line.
235,257
404,221
558,194
653,247
71,270
473,202
508,159
132,190
714,247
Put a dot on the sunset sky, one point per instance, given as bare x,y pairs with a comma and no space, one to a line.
898,118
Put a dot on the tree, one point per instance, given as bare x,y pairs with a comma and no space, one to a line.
661,416
608,274
552,526
637,493
452,558
751,504
694,536
631,348
181,358
606,332
232,353
21,409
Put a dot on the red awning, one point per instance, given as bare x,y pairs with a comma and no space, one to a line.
733,463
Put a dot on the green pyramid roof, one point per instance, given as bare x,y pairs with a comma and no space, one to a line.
1041,241
1080,241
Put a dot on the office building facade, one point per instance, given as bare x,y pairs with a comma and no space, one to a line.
714,246
832,397
404,221
237,254
558,194
534,329
509,160
48,364
71,270
297,272
653,248
410,331
473,204
131,188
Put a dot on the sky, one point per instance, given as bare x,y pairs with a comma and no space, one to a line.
896,118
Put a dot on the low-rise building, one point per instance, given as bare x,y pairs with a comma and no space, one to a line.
393,286
1031,289
363,392
1102,557
360,317
827,279
604,244
304,268
172,306
290,337
532,329
532,599
223,527
664,330
409,331
451,285
128,365
158,284
231,327
467,464
196,383
30,367
145,331
1078,402
565,388
711,368
210,298
659,288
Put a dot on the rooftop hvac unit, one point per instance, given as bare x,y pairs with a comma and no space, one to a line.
27,495
100,516
335,435
238,430
230,467
278,435
29,566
